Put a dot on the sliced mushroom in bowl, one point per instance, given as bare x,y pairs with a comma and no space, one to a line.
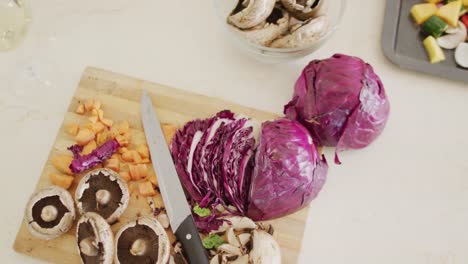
250,13
142,241
95,239
50,213
305,9
102,191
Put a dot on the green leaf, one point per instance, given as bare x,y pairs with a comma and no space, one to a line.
212,241
202,212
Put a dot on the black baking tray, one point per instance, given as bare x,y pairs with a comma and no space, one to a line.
402,43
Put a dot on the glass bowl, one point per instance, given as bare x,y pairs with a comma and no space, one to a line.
224,7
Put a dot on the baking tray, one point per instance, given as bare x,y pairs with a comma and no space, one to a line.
402,43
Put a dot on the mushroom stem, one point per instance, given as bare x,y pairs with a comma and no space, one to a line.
138,247
49,213
88,247
103,196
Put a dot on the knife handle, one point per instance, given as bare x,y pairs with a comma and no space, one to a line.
187,234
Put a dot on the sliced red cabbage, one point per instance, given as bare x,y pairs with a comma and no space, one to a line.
98,156
212,157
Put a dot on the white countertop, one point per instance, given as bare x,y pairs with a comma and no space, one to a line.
404,199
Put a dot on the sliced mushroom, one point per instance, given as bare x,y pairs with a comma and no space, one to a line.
263,34
305,9
244,238
102,191
229,250
238,223
306,34
142,241
215,260
453,39
461,55
163,220
95,239
250,13
232,238
265,249
50,213
244,259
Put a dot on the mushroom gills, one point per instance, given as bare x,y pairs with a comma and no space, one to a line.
103,192
142,241
50,213
91,250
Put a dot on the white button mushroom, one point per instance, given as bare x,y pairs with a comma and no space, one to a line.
265,249
95,240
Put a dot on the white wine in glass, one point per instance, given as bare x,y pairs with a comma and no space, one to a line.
15,16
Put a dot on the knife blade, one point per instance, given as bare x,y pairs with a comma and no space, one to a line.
178,210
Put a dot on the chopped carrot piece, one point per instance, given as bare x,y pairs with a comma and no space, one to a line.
126,176
128,156
123,127
62,163
134,172
143,151
143,170
122,150
80,109
93,119
97,104
123,141
98,127
84,136
144,161
113,164
88,148
136,157
115,156
89,126
94,112
64,181
146,189
72,129
88,104
169,132
152,178
107,122
100,114
102,137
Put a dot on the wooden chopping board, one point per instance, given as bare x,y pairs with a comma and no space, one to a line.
120,97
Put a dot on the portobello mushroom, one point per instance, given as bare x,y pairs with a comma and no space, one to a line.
50,213
102,191
142,241
95,239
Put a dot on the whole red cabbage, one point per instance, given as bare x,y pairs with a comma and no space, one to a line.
212,158
289,172
341,101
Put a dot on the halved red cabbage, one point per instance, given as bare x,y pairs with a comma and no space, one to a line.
98,156
341,101
289,171
212,159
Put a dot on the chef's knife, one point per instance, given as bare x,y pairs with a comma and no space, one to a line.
177,208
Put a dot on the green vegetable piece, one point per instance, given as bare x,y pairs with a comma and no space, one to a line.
434,26
212,241
202,212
